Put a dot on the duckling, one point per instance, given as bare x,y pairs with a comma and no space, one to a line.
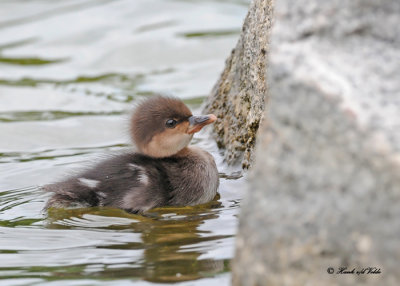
163,171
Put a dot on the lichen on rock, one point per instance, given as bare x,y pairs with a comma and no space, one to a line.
238,98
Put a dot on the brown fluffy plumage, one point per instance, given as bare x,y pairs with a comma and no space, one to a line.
163,172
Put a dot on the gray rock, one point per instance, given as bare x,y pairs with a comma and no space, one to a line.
325,188
237,99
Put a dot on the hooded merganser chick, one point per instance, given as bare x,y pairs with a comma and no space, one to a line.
163,172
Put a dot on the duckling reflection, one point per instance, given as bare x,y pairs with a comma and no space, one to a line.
164,171
172,248
171,240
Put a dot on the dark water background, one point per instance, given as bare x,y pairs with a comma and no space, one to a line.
70,71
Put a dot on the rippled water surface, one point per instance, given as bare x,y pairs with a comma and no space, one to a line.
70,71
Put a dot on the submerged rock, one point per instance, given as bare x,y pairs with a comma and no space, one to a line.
237,99
325,189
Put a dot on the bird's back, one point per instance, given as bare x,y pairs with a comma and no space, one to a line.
137,183
132,182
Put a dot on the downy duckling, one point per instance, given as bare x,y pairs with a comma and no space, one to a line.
164,171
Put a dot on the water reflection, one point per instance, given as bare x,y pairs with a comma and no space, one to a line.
170,238
166,245
168,255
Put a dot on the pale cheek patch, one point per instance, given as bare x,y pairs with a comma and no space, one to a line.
88,183
168,145
168,142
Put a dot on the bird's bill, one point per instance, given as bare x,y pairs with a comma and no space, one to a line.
196,123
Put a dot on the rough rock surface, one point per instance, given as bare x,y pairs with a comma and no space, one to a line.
237,99
325,188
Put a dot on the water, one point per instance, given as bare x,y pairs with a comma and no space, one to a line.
70,71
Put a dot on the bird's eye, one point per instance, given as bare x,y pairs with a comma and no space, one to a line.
171,123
